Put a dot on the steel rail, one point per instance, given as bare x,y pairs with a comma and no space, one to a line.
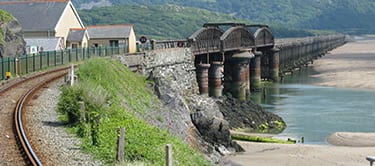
7,88
20,133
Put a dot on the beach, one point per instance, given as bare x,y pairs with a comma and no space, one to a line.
349,66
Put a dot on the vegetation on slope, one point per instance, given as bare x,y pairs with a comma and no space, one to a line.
341,15
169,21
113,95
4,17
173,22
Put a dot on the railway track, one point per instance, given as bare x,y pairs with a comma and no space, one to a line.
15,147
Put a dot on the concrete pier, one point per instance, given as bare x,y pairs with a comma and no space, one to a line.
202,78
215,75
274,64
255,71
239,64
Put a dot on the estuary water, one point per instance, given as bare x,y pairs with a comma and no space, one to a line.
315,112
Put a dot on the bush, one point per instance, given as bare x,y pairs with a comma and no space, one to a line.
69,105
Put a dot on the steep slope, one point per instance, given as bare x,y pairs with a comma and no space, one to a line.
342,15
167,21
155,21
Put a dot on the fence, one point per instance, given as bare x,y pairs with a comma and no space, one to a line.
30,63
162,44
33,62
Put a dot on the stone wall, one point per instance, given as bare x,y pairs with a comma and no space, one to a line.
166,57
145,62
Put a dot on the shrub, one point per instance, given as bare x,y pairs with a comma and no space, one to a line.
69,105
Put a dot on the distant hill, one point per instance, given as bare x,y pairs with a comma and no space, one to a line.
348,16
168,21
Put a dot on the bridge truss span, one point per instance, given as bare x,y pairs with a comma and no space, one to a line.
206,40
264,37
237,38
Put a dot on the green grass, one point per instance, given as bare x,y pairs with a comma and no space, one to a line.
249,138
116,95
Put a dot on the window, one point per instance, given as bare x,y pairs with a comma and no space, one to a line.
113,43
74,45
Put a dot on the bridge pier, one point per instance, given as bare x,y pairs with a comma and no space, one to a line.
255,71
202,78
215,75
237,80
274,64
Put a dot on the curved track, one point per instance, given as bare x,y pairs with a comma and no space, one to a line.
15,147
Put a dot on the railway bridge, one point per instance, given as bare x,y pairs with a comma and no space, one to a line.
230,58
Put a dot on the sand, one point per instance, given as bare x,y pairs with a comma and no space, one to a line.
263,154
349,66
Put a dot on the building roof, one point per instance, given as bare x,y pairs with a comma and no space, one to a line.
76,34
109,31
48,44
42,15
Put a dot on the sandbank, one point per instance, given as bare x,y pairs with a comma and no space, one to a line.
349,66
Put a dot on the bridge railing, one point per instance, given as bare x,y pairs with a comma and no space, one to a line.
162,44
25,64
297,51
206,46
165,44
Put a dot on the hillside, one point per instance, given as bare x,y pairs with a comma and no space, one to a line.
347,16
167,21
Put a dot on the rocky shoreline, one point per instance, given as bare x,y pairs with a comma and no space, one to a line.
249,117
203,121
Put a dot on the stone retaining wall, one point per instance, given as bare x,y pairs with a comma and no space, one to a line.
146,61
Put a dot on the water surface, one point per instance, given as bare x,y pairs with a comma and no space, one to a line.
314,112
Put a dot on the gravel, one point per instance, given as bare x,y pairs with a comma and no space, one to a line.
49,136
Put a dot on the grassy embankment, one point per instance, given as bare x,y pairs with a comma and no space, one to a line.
113,96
